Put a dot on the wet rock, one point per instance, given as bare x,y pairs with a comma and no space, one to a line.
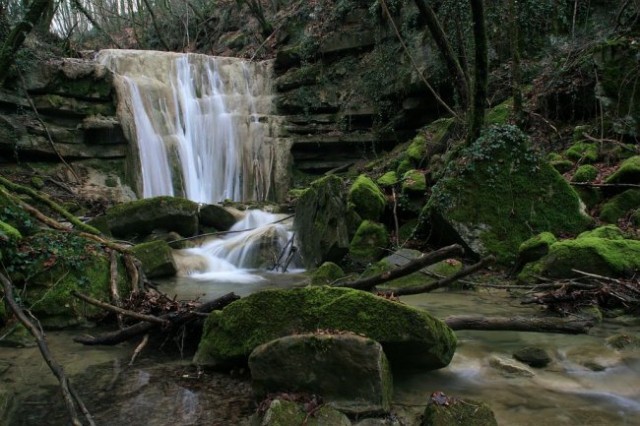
456,412
350,372
533,356
156,258
321,222
411,338
216,216
326,274
285,413
499,196
367,199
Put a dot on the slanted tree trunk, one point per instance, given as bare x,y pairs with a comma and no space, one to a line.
449,56
16,37
514,41
481,71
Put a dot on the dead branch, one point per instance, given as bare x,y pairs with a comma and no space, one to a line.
68,393
517,323
176,320
409,268
445,281
605,185
113,285
115,309
139,348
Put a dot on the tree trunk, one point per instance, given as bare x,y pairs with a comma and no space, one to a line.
543,325
449,56
514,41
481,69
18,34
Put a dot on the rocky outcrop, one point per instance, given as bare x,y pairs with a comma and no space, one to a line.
350,372
411,338
500,196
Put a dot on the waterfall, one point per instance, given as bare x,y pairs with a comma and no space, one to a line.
202,124
204,131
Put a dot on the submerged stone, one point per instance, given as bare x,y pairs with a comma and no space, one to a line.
533,356
216,216
411,338
498,194
350,372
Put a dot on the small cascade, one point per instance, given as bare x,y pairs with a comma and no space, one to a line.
260,241
203,124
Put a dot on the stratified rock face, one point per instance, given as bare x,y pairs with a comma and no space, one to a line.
498,193
139,218
321,222
350,372
411,338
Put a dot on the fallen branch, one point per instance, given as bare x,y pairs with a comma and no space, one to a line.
69,395
409,268
117,310
175,320
445,281
605,185
545,325
139,349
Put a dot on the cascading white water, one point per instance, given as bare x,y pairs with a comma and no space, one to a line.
198,122
203,131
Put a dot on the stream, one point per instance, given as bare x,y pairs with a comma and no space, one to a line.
587,383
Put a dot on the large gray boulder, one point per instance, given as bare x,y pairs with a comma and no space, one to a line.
350,372
411,338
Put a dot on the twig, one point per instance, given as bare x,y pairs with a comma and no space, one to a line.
139,348
113,281
70,398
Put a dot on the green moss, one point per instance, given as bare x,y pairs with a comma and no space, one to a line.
369,242
628,172
403,167
407,334
416,150
609,232
562,165
414,182
430,274
590,254
500,113
368,201
585,173
326,274
37,182
406,230
591,197
542,239
8,232
388,179
635,218
498,193
156,258
620,205
584,152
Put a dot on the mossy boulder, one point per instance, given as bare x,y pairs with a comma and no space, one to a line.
536,247
326,274
366,198
628,172
350,372
500,113
411,338
457,412
583,152
283,412
413,182
602,256
369,242
388,179
533,356
619,205
139,218
562,165
609,232
322,222
585,173
498,193
417,149
156,258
